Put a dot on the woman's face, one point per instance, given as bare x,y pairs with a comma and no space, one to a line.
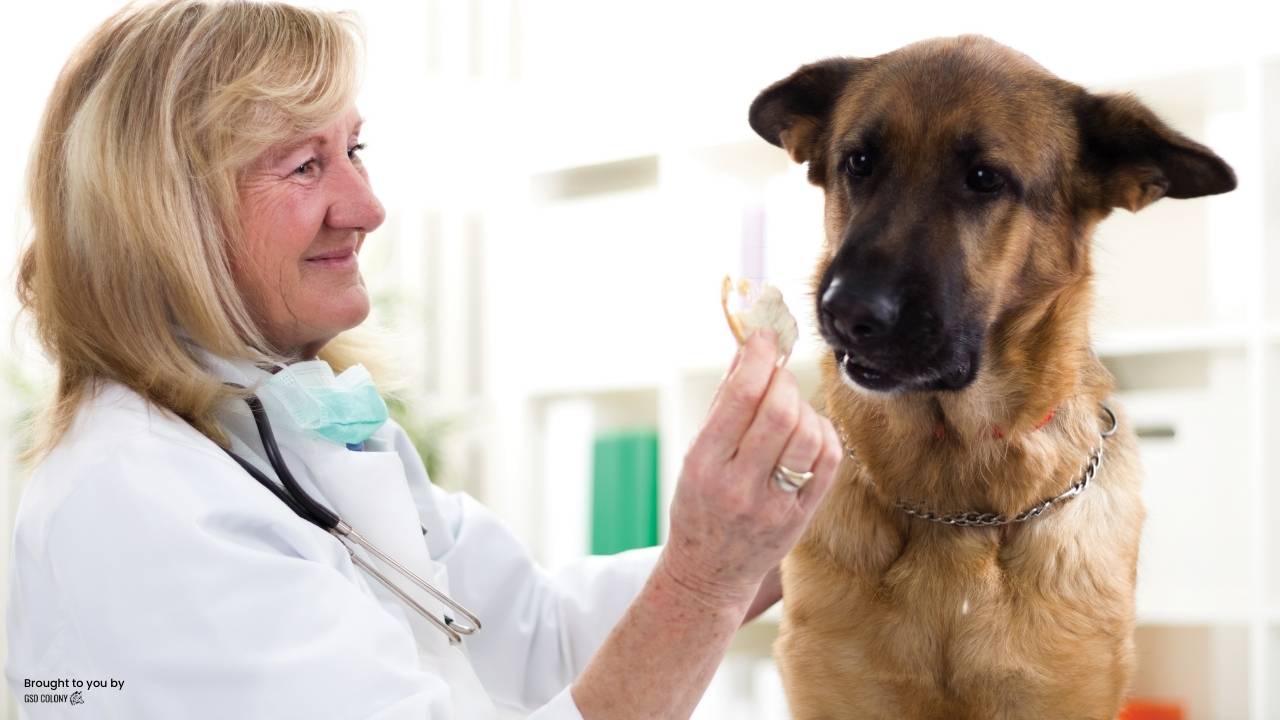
305,207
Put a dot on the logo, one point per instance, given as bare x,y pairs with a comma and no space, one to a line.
76,688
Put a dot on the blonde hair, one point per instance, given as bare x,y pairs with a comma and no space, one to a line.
133,195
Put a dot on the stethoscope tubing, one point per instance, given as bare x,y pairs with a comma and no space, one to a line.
292,495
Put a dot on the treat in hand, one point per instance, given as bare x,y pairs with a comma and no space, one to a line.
760,305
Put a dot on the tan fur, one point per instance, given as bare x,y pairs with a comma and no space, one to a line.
890,617
798,139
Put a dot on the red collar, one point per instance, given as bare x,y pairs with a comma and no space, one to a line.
940,430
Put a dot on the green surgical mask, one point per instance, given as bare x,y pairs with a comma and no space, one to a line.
346,409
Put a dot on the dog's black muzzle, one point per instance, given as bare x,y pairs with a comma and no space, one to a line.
889,334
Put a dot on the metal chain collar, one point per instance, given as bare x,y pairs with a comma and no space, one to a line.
978,519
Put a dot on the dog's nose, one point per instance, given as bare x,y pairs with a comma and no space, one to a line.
856,316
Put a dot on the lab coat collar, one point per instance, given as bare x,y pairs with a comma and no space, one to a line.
239,371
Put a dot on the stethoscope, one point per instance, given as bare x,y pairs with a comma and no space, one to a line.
322,517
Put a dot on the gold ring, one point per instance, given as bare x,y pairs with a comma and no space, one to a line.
789,480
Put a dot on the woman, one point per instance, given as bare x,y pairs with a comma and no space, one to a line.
199,204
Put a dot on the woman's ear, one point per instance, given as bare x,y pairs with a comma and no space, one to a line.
793,113
1137,159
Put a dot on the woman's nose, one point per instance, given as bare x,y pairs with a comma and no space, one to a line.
354,206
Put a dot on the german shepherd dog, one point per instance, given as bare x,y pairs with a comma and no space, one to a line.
976,558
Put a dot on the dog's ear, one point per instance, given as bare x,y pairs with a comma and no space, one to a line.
793,112
1139,159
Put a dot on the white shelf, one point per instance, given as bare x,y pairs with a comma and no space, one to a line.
592,386
1179,620
1172,340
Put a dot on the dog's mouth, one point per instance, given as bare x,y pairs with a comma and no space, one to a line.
864,374
952,373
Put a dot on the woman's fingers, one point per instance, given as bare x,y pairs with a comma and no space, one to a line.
774,423
739,397
733,365
801,452
825,467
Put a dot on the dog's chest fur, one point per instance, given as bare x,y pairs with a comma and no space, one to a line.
890,617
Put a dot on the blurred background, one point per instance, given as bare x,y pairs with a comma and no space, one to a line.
567,182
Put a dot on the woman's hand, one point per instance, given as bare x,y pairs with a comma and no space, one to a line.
768,595
730,523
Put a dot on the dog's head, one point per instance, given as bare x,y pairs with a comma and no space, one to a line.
962,181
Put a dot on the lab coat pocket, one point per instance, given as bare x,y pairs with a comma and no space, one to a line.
370,493
368,490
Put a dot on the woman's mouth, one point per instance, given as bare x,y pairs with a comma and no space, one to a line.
336,260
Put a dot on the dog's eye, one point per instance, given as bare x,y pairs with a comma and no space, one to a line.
983,179
858,163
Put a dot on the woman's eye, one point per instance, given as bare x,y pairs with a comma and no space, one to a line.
306,167
858,163
984,180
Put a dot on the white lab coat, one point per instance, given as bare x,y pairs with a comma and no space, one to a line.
144,554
